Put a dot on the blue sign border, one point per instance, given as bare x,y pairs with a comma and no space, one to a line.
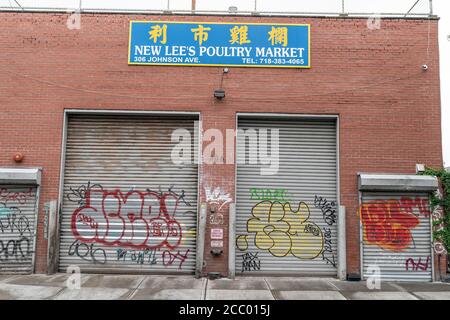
308,66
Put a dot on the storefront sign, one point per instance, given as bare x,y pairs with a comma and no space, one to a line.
219,44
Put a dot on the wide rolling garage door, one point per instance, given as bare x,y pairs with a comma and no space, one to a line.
286,218
396,230
127,206
17,228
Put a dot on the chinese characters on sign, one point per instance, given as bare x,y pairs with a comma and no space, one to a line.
158,31
219,44
200,34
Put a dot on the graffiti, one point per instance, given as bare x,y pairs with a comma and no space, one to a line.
216,218
309,228
250,262
417,266
217,197
328,209
439,248
139,223
16,227
242,242
19,197
327,253
138,256
408,205
181,198
169,258
15,222
438,225
269,195
281,231
437,217
15,249
388,224
4,210
88,221
87,252
135,219
78,195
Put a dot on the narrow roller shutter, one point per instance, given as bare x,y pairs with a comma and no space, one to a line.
17,229
396,236
127,207
286,222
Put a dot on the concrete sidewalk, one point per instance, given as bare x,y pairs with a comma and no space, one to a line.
112,287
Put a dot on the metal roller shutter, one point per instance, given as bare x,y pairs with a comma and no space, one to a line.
286,223
396,233
127,207
17,228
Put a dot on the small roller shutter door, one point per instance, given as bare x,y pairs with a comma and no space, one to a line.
396,234
17,228
286,222
127,207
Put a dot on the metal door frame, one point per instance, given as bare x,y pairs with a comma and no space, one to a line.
297,116
69,112
36,225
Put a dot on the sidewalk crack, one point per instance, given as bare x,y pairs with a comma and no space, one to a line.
133,293
330,282
398,287
56,294
270,289
205,286
415,296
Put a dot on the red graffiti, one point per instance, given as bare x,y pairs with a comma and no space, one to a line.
388,224
169,258
20,197
136,219
419,266
422,204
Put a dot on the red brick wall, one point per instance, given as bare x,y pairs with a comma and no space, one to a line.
389,108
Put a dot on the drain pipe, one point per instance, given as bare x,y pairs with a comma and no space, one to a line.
342,244
231,241
200,241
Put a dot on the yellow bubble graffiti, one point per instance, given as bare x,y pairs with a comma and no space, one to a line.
242,243
282,231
